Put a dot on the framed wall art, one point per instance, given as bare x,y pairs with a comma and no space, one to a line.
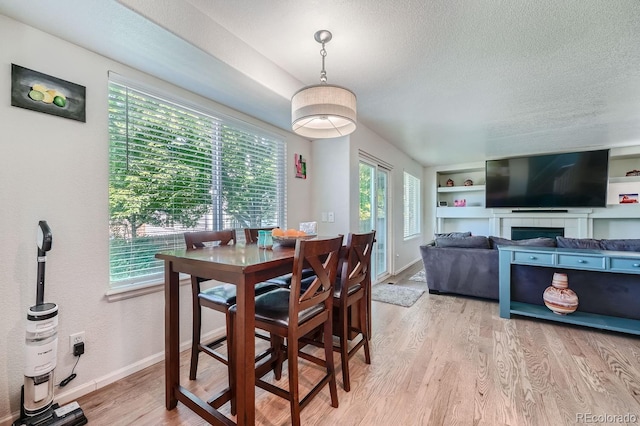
44,93
301,166
628,198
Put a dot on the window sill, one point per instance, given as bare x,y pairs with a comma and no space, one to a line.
123,292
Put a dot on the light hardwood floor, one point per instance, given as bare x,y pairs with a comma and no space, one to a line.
446,360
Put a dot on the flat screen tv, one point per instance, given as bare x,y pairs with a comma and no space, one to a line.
575,179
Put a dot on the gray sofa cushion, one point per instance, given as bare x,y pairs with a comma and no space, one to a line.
621,245
478,241
579,243
591,243
533,242
453,235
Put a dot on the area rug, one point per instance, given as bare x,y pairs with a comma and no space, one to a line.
420,276
395,294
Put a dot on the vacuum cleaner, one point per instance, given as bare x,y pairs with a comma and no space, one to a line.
41,350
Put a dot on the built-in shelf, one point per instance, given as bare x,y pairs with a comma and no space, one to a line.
624,179
463,212
471,188
617,211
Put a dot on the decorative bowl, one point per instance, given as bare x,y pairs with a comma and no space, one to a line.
291,241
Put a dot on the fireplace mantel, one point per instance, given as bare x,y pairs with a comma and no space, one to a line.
577,223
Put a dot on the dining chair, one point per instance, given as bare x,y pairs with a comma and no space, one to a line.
251,234
289,313
219,298
351,292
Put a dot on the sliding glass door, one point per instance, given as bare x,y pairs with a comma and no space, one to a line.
374,201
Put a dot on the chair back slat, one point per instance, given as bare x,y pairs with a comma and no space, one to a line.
356,265
198,239
322,256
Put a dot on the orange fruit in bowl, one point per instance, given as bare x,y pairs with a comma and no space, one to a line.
277,232
291,233
301,233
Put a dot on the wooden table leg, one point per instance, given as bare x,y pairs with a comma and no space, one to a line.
245,351
171,335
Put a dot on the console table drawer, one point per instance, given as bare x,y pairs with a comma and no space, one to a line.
532,258
631,265
583,262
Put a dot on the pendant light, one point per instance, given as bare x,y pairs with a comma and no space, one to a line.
323,110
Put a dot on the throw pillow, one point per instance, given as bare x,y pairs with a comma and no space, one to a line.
453,235
532,242
579,243
621,245
477,241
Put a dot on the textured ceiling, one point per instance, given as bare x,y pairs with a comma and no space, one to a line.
446,81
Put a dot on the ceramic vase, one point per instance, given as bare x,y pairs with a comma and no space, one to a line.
559,297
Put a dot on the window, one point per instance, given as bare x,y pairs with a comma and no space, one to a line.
411,205
174,167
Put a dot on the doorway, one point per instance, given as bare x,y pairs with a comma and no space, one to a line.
374,214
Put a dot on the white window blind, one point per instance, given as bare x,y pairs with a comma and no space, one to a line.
411,205
174,168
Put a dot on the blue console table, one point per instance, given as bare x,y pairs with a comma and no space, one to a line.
590,260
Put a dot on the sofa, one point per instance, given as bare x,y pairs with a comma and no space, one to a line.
463,264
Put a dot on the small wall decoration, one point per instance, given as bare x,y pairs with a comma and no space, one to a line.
628,198
301,166
43,93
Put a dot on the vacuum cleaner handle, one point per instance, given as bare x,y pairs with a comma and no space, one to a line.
44,245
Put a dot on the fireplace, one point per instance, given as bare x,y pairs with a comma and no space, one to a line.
527,232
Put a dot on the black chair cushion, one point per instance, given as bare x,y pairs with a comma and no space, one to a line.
273,307
225,294
337,290
285,280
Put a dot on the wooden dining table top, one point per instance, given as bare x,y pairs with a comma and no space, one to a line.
236,257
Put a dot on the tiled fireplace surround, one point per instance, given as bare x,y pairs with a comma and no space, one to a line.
576,224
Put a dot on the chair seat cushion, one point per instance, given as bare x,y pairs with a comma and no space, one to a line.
285,280
337,290
273,307
304,284
225,294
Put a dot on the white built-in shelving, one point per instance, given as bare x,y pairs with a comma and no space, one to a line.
475,215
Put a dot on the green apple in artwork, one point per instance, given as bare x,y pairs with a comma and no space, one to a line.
40,93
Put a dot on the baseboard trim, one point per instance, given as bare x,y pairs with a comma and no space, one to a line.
404,268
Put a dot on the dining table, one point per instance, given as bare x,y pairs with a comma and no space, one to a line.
238,264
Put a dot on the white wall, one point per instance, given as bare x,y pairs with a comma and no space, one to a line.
330,188
56,169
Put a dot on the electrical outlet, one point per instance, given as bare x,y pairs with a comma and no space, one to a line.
75,338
